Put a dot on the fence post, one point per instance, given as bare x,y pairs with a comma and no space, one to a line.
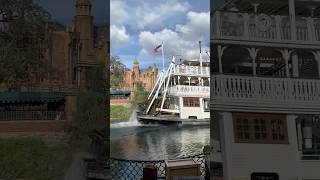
149,172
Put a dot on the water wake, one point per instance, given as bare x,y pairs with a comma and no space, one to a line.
133,122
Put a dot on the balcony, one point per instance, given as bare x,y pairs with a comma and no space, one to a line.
279,95
192,91
259,27
192,71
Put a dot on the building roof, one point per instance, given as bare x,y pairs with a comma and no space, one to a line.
119,92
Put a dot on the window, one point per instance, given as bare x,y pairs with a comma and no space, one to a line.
242,127
260,128
191,102
206,105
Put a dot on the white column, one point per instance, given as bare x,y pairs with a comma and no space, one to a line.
189,79
217,23
278,26
293,139
246,25
220,53
199,81
310,26
226,141
178,80
253,52
292,15
286,56
295,65
317,58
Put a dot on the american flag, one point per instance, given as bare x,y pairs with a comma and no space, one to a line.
158,48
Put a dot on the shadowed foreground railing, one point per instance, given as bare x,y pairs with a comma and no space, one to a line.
121,169
31,115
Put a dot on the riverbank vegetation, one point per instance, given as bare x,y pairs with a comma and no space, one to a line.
33,158
120,113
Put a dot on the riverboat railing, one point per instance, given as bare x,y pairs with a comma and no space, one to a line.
285,93
31,115
190,90
192,70
122,169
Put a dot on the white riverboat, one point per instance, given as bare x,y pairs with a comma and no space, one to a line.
181,94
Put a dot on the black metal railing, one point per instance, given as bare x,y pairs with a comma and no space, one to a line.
31,115
122,169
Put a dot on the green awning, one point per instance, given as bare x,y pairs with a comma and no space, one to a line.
119,92
11,97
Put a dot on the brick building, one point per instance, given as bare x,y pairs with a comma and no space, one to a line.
147,77
69,55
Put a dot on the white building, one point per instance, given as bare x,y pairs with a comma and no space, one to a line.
265,89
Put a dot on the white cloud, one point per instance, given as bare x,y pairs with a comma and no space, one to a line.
198,26
149,15
181,41
146,14
118,12
118,36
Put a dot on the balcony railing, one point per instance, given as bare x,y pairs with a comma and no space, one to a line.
185,90
244,26
272,93
31,115
192,70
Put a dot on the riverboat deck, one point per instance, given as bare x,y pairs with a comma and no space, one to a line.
170,120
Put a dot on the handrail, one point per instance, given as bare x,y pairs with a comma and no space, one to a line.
31,115
275,89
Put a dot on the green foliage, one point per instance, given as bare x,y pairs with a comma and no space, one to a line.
120,113
22,45
140,96
91,105
31,158
91,115
117,70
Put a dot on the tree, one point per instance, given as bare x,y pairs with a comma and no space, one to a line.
117,70
140,96
91,105
22,42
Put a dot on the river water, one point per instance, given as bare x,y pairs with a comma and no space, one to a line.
133,141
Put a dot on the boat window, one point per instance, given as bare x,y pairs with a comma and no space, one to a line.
191,102
260,128
206,105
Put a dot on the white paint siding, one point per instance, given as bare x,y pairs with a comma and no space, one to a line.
185,112
242,159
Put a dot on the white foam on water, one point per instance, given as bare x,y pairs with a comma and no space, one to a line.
133,122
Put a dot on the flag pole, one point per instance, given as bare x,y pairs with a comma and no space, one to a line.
162,50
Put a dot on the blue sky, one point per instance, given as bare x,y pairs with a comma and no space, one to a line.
138,26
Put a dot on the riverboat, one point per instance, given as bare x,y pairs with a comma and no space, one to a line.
181,94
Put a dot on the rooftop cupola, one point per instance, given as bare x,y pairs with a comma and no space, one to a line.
83,7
